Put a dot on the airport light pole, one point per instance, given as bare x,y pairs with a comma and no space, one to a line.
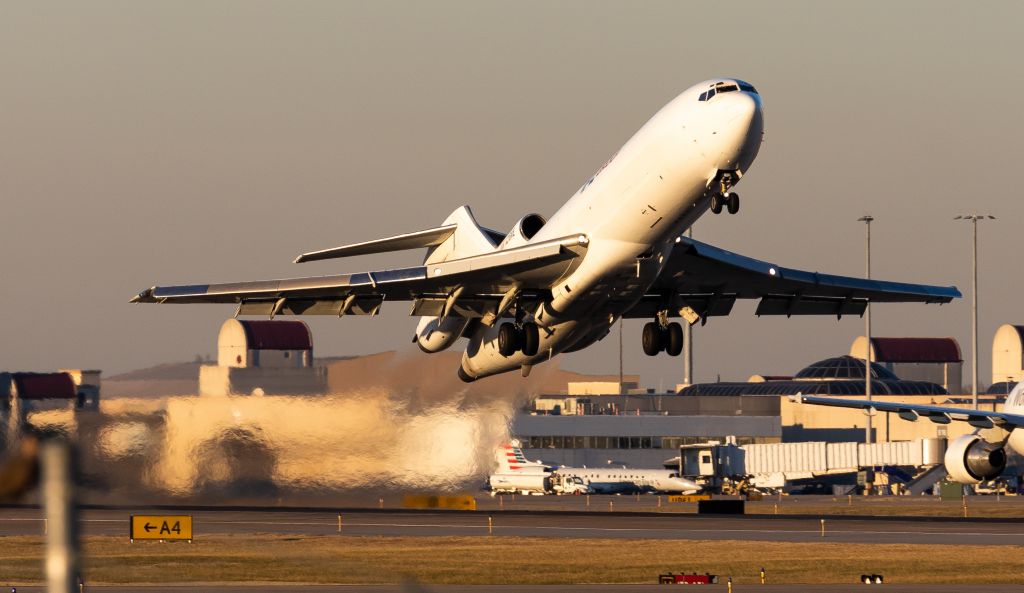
622,390
688,340
974,218
866,219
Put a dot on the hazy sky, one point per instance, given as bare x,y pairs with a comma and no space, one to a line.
148,143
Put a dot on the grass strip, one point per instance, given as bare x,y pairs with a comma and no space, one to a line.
476,560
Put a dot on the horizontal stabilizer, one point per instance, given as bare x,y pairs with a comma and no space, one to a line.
425,238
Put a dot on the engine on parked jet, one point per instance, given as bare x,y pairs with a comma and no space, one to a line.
523,231
971,459
435,335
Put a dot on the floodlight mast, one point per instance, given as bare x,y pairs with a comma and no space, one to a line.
866,219
974,218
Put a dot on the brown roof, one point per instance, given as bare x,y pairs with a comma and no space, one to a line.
916,350
278,335
44,385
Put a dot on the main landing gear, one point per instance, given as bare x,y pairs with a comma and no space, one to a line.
514,338
658,337
730,201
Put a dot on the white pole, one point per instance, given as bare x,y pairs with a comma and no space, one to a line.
866,219
974,317
974,218
688,341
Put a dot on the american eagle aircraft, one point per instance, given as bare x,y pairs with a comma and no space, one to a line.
969,458
615,249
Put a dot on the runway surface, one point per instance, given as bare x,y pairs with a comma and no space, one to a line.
418,588
25,521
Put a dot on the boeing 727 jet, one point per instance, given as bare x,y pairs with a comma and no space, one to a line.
614,250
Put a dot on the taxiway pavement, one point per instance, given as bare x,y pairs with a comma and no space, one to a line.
781,528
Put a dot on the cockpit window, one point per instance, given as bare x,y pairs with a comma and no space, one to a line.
726,87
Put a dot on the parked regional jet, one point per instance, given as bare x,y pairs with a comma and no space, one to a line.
614,250
969,459
517,474
616,480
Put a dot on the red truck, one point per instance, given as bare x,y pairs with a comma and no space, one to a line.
687,579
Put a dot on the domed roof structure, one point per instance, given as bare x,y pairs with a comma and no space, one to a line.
844,367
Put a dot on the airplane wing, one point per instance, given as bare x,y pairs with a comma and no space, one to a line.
911,412
467,287
701,280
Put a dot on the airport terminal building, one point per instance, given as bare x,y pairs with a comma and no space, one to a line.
646,429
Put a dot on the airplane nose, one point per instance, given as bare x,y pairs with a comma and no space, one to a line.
746,120
744,107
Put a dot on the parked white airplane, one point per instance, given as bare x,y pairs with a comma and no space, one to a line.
517,474
614,250
969,459
614,480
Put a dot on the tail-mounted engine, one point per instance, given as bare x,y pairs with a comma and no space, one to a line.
971,459
524,230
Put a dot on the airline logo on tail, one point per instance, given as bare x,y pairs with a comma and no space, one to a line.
510,458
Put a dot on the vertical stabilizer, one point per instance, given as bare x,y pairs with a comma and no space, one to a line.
511,459
468,239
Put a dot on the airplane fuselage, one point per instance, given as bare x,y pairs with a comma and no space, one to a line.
623,480
631,212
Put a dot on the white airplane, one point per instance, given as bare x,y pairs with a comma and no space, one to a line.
615,480
614,250
517,474
969,459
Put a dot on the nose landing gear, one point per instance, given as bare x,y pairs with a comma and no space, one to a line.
723,198
729,201
523,338
657,338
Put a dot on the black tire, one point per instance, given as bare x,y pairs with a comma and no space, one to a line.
508,339
674,339
652,339
529,339
733,203
716,203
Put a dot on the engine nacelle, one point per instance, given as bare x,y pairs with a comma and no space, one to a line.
523,231
434,335
971,459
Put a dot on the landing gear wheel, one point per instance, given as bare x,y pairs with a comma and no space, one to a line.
652,339
674,339
529,338
508,339
732,203
716,203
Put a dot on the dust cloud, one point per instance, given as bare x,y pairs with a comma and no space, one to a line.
397,423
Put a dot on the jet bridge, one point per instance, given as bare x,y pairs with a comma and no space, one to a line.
774,465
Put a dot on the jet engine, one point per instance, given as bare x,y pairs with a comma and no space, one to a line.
523,231
434,334
971,459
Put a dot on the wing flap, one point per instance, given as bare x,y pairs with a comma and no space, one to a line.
800,305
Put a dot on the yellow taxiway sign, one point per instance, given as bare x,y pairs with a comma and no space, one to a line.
160,527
